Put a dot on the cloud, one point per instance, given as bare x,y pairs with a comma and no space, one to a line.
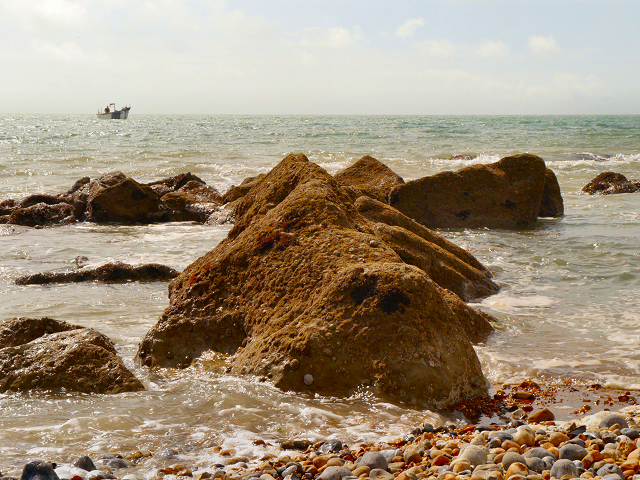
442,49
543,46
334,37
492,49
39,13
409,27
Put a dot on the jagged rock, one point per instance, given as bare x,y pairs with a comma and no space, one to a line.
608,183
7,206
201,193
552,204
43,215
369,177
312,294
505,194
237,192
175,183
110,272
125,202
46,354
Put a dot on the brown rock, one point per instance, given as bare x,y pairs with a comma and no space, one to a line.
552,204
608,183
110,272
46,354
125,202
237,192
174,183
544,415
369,177
201,192
43,215
505,194
7,206
303,272
516,468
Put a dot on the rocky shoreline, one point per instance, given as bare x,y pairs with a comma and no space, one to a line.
517,437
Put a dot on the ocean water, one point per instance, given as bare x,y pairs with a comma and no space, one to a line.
568,308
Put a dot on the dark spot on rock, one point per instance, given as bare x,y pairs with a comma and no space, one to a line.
364,287
138,195
509,204
463,214
390,299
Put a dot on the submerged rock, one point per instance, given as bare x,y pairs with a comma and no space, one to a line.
306,285
110,272
609,183
505,194
46,354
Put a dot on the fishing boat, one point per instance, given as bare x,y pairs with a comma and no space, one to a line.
111,112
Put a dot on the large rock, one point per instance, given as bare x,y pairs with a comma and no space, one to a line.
46,354
505,194
552,204
309,292
43,215
608,183
370,177
108,273
237,192
125,202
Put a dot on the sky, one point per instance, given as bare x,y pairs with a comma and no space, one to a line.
374,57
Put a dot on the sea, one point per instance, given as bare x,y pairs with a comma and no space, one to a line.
568,308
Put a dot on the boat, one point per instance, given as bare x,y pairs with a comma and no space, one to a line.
109,112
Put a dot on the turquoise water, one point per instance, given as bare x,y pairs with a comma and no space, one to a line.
568,307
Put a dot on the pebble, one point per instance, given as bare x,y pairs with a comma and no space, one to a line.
571,451
563,467
335,473
373,460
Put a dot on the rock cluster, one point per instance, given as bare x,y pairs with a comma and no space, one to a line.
511,193
115,197
608,183
321,290
45,354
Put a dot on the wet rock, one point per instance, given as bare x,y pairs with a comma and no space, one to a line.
297,289
552,204
564,467
85,463
544,415
108,273
64,356
505,194
369,177
330,446
608,183
43,215
295,444
124,202
38,470
175,183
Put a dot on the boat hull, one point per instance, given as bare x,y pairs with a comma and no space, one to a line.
116,114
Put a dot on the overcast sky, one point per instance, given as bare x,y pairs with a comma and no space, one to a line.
321,57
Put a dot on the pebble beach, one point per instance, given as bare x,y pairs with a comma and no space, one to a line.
514,433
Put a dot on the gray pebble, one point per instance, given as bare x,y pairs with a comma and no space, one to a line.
611,419
632,433
335,473
564,467
331,446
389,454
501,435
510,458
610,469
571,451
373,460
38,470
473,454
537,452
536,464
117,463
